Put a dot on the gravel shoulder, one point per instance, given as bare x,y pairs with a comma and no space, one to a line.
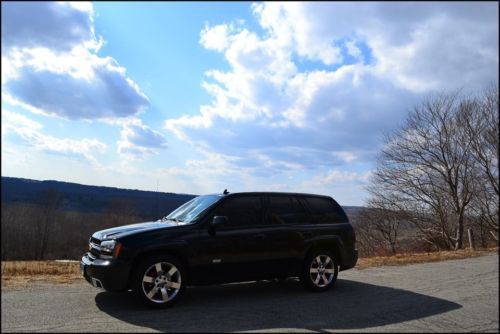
456,295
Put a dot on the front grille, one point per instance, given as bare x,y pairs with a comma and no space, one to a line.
94,247
95,241
94,252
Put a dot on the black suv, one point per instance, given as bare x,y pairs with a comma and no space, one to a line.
224,238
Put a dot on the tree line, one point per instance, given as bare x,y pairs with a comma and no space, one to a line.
46,231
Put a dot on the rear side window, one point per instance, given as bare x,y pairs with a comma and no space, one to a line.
284,210
241,211
325,210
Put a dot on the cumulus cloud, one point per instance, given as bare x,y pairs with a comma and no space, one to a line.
453,46
138,140
50,65
314,119
353,49
52,25
271,110
214,172
217,37
346,186
295,27
29,132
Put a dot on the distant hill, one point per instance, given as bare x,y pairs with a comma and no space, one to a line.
84,198
353,210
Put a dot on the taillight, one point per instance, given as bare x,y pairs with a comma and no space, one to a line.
351,235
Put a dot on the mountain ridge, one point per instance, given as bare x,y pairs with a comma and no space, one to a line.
93,198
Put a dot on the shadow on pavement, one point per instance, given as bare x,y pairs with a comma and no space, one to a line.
274,305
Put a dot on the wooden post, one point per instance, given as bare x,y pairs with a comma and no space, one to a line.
471,238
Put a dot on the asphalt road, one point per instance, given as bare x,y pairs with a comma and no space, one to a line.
457,296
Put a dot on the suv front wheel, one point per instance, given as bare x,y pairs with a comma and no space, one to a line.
159,281
320,271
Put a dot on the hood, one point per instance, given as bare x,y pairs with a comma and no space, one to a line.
120,231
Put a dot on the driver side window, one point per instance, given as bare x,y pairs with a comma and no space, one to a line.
244,211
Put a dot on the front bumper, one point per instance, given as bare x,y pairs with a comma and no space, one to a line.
111,275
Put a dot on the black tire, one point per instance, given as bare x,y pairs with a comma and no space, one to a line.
169,283
281,278
326,273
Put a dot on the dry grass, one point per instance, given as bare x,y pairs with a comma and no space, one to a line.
23,273
409,258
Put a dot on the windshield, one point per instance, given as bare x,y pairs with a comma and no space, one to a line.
188,212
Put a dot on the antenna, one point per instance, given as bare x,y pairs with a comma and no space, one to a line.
157,201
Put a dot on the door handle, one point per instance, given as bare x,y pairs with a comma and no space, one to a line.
307,234
259,236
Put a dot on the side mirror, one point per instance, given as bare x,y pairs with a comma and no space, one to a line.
219,220
216,222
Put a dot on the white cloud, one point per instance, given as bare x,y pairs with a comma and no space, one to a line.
339,176
345,186
29,132
138,141
293,26
211,174
313,119
53,25
353,49
217,37
50,65
427,47
270,109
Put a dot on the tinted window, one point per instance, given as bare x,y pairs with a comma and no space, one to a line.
325,210
241,211
284,210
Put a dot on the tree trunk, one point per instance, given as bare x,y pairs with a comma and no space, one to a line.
460,233
393,248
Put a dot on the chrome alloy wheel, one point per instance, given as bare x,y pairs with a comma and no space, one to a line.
161,282
322,271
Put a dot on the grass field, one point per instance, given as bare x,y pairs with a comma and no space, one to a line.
23,273
409,258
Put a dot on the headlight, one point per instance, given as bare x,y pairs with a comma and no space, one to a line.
110,249
108,246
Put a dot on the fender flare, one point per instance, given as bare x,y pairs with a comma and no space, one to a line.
332,243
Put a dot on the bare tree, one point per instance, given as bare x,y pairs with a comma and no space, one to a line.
367,242
8,222
120,211
64,234
482,129
427,169
50,200
385,222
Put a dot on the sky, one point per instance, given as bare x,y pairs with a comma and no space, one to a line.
201,97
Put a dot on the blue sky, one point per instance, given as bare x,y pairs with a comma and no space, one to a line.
199,97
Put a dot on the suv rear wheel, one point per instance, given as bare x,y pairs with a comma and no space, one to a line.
320,271
159,281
